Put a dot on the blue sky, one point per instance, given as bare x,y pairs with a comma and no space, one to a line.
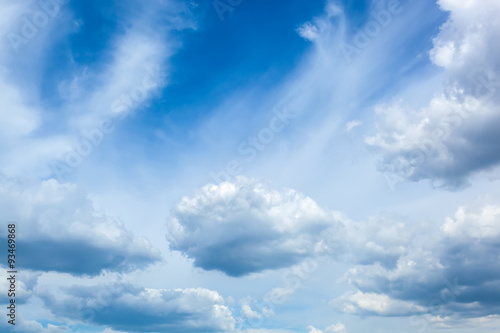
251,166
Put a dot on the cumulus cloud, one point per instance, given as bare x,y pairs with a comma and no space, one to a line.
455,136
467,43
247,312
374,304
59,230
124,307
313,329
381,239
244,226
483,224
335,328
447,271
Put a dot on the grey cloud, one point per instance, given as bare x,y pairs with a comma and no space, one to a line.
454,273
122,306
59,230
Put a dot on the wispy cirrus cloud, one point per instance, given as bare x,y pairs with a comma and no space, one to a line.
124,77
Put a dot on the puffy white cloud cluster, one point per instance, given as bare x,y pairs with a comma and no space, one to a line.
483,224
467,44
454,136
244,226
400,266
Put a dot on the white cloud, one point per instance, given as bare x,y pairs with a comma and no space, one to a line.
126,79
308,31
484,224
61,231
109,330
454,136
138,66
33,326
22,114
352,124
312,329
381,239
374,304
264,330
280,295
247,312
17,119
443,270
245,226
466,42
335,328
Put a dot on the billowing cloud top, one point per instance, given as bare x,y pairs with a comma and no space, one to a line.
456,135
244,226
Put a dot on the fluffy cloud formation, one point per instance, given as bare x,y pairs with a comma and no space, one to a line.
455,136
381,239
374,304
312,329
484,224
124,307
244,226
59,230
335,328
449,272
467,44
